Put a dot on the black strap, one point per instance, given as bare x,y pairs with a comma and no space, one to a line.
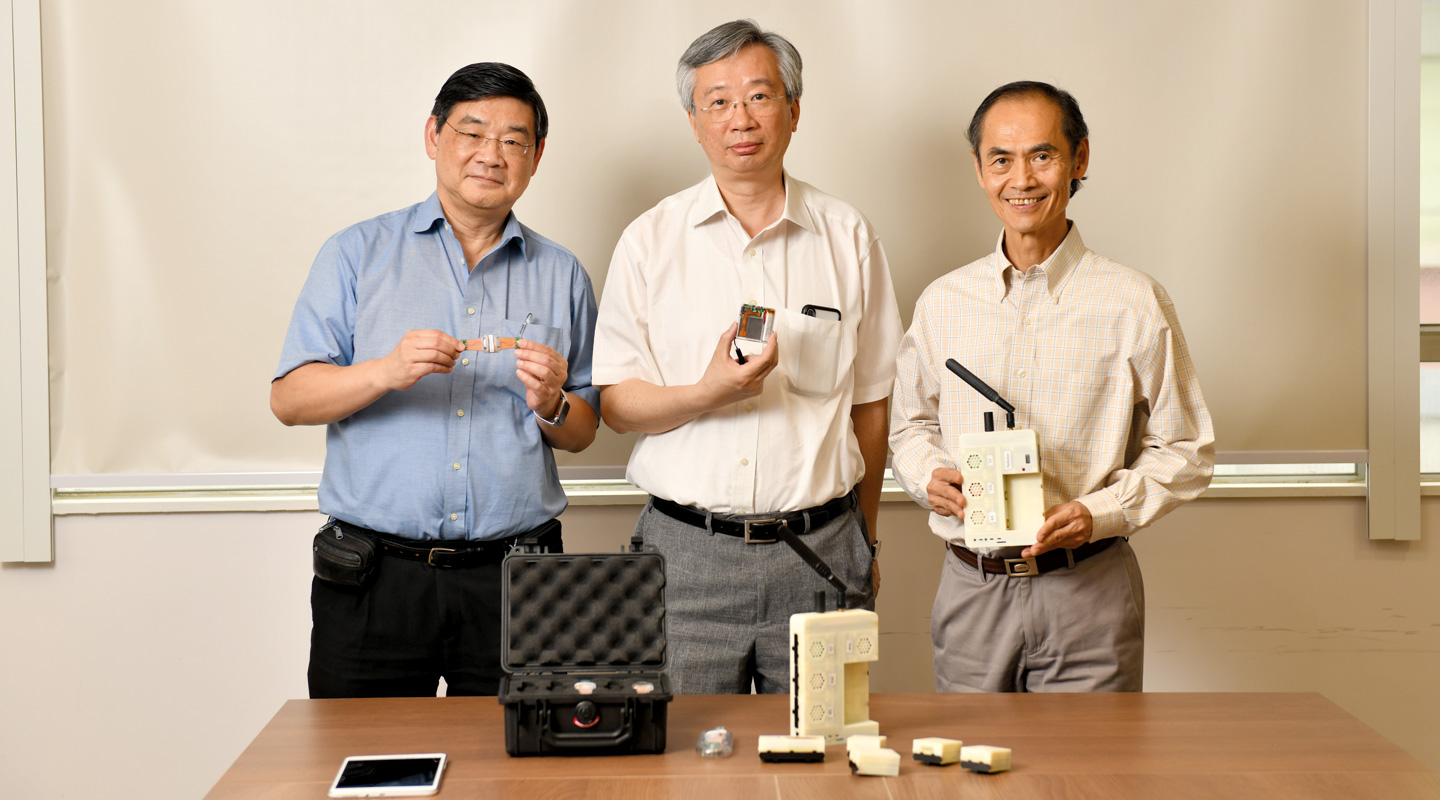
814,560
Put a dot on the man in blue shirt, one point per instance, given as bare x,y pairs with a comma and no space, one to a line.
447,349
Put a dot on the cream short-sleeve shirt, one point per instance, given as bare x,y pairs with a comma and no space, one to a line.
679,276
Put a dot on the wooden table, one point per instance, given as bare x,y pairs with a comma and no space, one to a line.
1065,745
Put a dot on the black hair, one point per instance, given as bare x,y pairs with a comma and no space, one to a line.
489,79
1072,122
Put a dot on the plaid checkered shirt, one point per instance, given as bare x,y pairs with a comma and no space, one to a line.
1091,355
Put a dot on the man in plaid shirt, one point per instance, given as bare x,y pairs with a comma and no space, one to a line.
1092,356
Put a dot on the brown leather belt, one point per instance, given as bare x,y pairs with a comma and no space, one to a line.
1030,567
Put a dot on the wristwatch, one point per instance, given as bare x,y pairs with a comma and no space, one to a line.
560,413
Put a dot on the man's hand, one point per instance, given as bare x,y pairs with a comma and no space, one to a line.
1067,525
543,371
944,494
418,354
726,380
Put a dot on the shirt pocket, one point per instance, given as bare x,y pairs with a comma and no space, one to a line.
810,352
499,368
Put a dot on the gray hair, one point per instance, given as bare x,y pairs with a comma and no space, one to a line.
724,41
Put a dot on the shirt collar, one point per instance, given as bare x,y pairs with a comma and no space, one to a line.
711,203
431,215
1057,268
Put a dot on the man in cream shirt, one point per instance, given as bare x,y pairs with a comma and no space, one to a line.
794,435
1091,354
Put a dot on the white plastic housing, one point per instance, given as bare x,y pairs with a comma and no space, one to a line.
1003,487
830,655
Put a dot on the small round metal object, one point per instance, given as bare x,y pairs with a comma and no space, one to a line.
586,714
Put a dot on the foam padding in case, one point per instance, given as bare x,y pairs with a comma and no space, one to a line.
567,611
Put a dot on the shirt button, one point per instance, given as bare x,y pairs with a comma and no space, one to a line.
1021,373
744,462
460,413
751,253
464,362
749,407
469,311
454,517
457,465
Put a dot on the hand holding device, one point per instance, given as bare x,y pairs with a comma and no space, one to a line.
1067,525
726,380
415,775
944,493
543,372
417,354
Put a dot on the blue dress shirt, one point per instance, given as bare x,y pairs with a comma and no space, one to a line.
455,456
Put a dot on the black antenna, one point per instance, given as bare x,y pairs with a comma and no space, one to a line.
984,389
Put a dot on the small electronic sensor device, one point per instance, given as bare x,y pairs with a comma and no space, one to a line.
715,743
784,749
877,761
985,758
1004,491
416,775
754,328
864,741
936,751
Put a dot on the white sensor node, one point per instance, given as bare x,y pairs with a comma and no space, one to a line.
864,741
875,761
1004,493
830,655
985,758
936,751
782,749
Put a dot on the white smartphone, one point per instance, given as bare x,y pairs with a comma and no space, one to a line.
414,775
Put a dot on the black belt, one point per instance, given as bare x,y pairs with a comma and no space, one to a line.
1030,567
451,554
757,529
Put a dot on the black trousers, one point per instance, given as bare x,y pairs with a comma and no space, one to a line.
413,625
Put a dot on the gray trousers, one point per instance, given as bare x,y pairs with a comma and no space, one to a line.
728,603
1069,630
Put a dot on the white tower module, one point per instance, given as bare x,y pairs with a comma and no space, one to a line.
830,655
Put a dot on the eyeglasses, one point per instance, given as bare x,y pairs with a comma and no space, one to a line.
470,142
760,106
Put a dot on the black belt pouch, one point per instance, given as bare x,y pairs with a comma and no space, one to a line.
347,558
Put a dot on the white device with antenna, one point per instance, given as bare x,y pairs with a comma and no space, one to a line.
1003,488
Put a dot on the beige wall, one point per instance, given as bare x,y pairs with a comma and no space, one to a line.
234,137
156,647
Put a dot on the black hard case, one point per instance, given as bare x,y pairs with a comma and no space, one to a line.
570,618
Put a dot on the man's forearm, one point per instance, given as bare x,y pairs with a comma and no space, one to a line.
318,393
577,433
636,405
